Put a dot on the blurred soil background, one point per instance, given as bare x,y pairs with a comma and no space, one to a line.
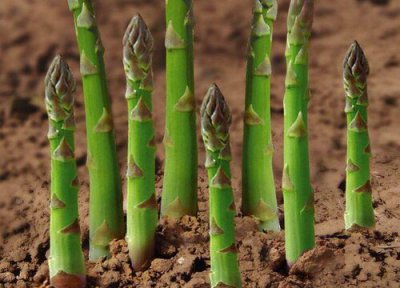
32,32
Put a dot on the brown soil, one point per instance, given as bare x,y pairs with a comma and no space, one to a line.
32,32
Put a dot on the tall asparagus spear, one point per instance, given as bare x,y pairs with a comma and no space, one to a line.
297,190
215,122
258,195
66,263
359,210
142,214
180,179
106,215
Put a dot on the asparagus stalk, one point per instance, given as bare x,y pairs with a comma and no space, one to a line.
359,210
66,263
106,215
215,122
142,214
258,195
180,178
296,186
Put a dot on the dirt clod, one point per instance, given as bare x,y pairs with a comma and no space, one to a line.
30,37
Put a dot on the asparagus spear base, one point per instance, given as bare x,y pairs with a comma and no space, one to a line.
141,252
65,280
224,261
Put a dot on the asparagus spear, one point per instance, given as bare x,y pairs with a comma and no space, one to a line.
106,215
296,186
66,263
258,195
180,178
359,210
215,122
142,214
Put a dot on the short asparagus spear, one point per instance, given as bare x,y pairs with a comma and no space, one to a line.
142,213
180,179
258,195
105,210
359,210
297,191
215,122
66,263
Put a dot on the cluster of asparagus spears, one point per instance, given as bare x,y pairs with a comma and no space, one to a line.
179,198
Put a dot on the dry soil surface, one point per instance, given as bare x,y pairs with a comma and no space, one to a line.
32,32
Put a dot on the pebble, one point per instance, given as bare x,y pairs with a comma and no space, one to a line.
5,266
42,273
24,273
7,277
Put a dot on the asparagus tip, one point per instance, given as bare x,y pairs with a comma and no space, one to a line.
302,9
59,88
56,70
135,25
137,38
355,62
138,46
215,119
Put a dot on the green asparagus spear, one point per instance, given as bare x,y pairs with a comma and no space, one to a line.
106,215
66,263
359,211
142,213
215,122
180,179
297,191
258,195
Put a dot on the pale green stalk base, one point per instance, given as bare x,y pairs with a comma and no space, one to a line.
66,257
142,213
296,186
359,210
179,196
224,262
258,195
105,209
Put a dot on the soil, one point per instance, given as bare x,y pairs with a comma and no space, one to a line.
32,32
